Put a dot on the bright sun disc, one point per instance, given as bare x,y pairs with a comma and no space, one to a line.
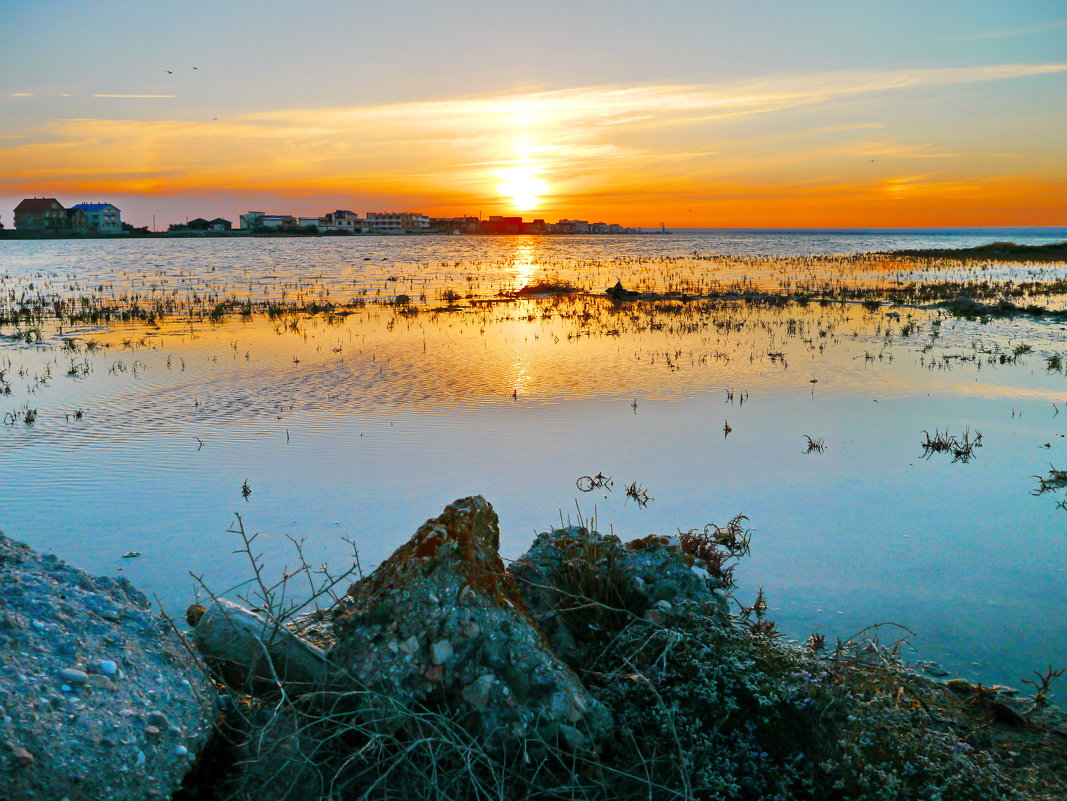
523,187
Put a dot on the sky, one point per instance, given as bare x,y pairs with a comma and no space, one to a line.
695,113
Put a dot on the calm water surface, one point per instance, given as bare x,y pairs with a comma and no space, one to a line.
364,426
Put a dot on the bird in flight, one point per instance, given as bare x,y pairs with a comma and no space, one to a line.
170,72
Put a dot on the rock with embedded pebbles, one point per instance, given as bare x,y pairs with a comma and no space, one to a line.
441,624
73,724
649,580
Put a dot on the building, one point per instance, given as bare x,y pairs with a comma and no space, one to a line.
200,224
254,220
41,214
455,225
395,222
572,227
78,221
310,222
342,220
103,218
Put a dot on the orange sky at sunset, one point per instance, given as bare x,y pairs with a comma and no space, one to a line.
838,146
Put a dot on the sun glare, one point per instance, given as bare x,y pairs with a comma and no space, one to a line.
522,187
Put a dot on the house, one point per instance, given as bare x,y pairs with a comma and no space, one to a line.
342,220
104,218
41,214
258,220
386,222
310,222
78,221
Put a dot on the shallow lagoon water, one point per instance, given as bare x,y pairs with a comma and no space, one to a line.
363,426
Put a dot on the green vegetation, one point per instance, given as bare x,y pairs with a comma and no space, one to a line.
1001,251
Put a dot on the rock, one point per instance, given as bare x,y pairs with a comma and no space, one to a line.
22,757
157,718
619,292
73,676
440,652
250,651
649,579
479,632
97,681
83,745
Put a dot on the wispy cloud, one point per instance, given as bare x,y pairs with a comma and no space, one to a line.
22,94
589,141
150,97
1047,27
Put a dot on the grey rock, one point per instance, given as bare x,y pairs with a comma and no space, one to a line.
85,745
447,586
74,676
650,579
440,652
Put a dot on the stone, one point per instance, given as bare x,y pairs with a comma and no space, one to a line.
107,668
440,652
99,682
83,744
157,718
480,691
447,586
74,676
151,731
22,757
650,579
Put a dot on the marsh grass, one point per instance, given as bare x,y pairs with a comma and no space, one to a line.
702,708
962,447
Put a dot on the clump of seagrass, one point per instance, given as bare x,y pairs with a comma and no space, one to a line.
962,447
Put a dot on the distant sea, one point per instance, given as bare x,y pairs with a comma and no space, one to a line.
811,241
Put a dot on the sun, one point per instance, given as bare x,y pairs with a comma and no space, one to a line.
522,186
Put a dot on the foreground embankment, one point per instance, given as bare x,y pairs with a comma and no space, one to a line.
587,668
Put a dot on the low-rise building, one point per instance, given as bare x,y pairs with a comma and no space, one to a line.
41,214
342,220
104,218
78,221
258,220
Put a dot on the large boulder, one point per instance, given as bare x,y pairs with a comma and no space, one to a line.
581,588
98,697
440,623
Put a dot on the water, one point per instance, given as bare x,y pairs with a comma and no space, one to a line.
365,425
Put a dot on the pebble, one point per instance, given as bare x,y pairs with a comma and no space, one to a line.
181,750
22,756
73,676
100,682
151,731
107,668
440,652
157,718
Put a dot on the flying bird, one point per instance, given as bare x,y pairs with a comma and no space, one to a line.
170,72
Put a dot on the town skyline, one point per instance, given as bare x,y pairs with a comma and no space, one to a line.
940,114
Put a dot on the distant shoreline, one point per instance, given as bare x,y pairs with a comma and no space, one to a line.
242,234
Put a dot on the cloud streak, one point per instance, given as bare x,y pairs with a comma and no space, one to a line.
591,141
